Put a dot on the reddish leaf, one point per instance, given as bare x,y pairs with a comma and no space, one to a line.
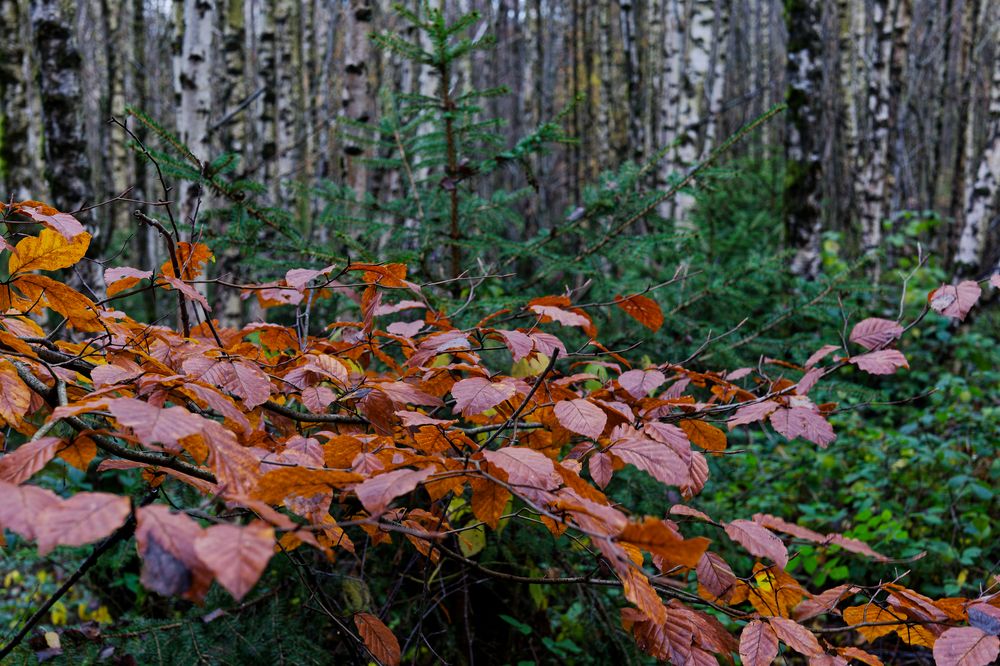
715,577
520,344
758,644
805,423
855,546
63,223
166,543
758,541
995,280
378,492
640,383
795,636
966,646
600,469
655,458
20,464
236,555
808,381
120,279
81,519
20,507
643,309
190,293
752,413
883,362
955,300
820,354
874,332
381,642
477,394
564,317
525,467
822,603
582,417
155,425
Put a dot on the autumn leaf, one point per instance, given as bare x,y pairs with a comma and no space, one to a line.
966,646
79,452
120,279
653,536
795,636
191,257
882,362
581,416
81,519
655,458
705,435
643,309
803,422
19,465
640,383
378,492
955,300
49,251
477,394
758,541
489,501
874,332
63,223
237,555
20,507
166,544
524,467
381,642
14,394
154,425
758,644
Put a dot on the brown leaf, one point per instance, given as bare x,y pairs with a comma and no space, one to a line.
966,646
477,394
378,492
166,543
653,536
20,464
20,507
758,644
705,435
79,452
14,395
795,636
276,485
643,309
524,467
81,519
581,416
236,555
489,500
758,541
381,642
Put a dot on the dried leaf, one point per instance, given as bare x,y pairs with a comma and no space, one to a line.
477,394
758,644
966,646
875,332
49,251
378,492
643,309
581,416
81,519
758,541
381,642
236,555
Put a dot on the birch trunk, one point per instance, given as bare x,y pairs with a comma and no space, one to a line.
193,92
357,95
20,160
982,189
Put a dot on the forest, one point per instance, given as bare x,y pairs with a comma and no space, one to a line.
500,332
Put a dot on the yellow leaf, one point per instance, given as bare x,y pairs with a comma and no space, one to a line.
49,251
59,613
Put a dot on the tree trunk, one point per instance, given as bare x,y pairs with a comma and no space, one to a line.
20,159
193,91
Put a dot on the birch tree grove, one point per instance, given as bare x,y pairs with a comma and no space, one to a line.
892,104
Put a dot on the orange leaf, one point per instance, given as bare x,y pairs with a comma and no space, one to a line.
278,484
14,395
381,642
643,309
49,251
79,452
191,258
81,519
489,500
77,308
236,555
653,536
872,614
705,435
